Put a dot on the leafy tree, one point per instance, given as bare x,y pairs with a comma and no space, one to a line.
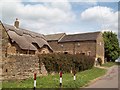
112,50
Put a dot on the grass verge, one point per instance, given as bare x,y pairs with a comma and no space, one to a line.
109,64
82,78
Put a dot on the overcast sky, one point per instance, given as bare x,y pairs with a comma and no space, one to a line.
61,16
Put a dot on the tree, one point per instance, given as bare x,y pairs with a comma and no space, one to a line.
111,45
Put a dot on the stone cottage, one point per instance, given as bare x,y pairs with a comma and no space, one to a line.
19,50
22,41
91,44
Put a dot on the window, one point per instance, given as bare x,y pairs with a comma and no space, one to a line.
99,43
6,52
6,70
26,52
43,52
82,53
78,44
62,45
65,52
89,53
17,51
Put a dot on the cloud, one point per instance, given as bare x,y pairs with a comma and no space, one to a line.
45,13
99,14
37,16
73,0
50,12
105,16
46,16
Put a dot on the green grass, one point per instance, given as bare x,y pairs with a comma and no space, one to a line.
82,78
109,64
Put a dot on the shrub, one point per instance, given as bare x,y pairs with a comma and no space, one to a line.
66,62
99,61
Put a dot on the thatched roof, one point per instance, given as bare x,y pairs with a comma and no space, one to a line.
25,38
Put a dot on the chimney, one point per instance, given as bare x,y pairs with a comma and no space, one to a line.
16,24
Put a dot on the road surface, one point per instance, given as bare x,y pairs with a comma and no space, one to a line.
110,80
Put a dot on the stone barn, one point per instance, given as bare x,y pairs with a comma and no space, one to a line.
19,51
91,44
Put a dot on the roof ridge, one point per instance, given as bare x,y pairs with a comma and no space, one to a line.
62,37
23,29
55,34
83,33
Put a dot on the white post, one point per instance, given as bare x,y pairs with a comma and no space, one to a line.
34,80
60,78
74,77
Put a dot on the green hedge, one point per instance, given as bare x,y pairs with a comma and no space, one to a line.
66,62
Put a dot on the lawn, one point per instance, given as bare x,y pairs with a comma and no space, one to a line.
109,64
82,78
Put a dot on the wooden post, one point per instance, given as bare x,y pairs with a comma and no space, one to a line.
74,75
35,80
60,79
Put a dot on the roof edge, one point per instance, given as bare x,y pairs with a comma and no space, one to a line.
85,33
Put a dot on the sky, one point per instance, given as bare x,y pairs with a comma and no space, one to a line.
61,16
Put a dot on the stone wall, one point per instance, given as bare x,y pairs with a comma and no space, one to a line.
4,42
100,47
86,47
19,67
55,46
4,39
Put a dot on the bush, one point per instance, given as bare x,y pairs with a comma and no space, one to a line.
66,62
99,61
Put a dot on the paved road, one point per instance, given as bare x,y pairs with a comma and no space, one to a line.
110,80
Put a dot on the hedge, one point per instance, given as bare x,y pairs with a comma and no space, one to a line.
66,62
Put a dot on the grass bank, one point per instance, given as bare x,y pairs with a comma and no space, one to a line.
82,78
109,64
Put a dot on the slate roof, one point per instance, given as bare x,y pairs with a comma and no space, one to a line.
25,38
54,37
80,37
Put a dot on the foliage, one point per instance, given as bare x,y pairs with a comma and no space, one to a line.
66,62
99,61
50,81
112,50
